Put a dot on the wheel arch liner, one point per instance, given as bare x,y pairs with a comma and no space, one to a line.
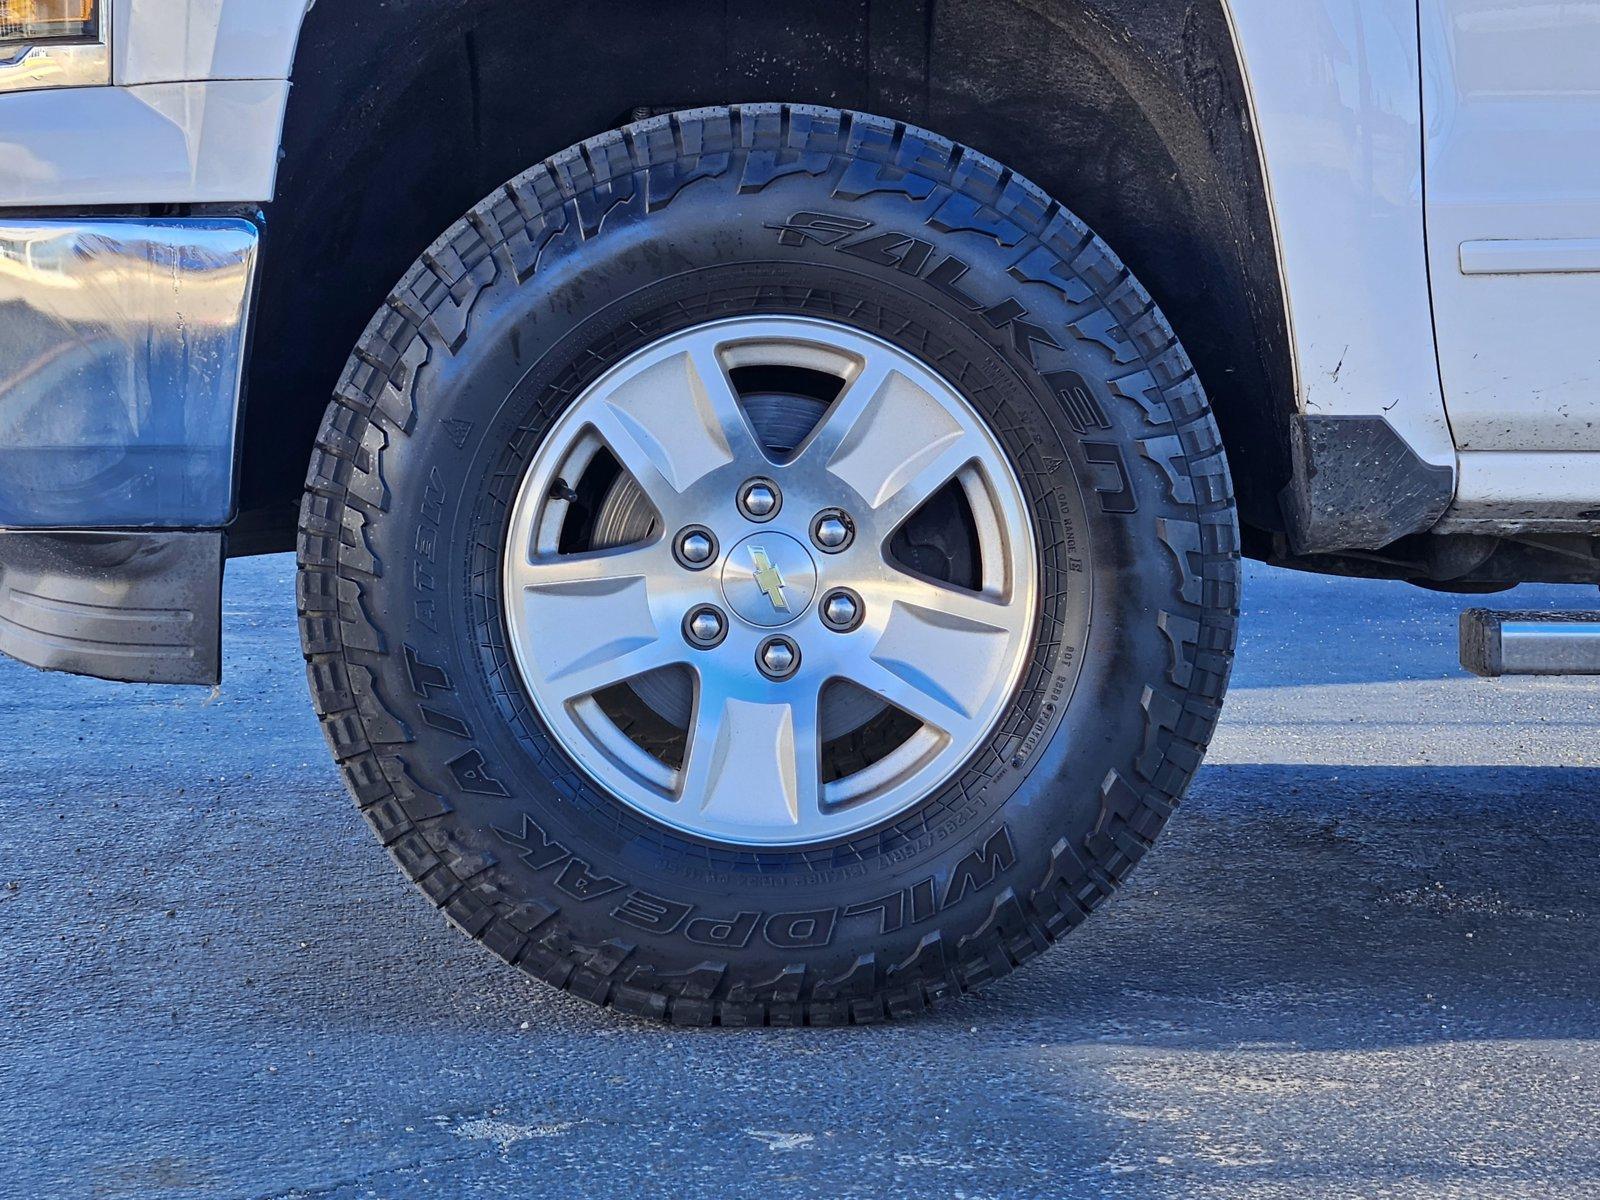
1131,112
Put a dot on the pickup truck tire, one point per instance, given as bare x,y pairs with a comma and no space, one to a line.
1102,496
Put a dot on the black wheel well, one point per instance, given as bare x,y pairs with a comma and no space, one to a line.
402,116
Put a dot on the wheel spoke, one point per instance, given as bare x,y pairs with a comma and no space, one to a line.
674,422
908,490
822,443
637,561
892,441
969,609
719,401
753,762
615,662
938,666
591,633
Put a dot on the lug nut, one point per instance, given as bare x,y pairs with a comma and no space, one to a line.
705,627
841,610
760,499
778,658
832,530
695,547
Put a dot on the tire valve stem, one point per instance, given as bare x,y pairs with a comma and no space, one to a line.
562,490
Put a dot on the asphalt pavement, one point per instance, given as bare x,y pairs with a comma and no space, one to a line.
1363,962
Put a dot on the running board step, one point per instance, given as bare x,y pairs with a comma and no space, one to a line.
1530,643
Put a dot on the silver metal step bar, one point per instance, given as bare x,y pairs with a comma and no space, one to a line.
1530,643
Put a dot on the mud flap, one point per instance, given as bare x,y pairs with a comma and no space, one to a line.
136,607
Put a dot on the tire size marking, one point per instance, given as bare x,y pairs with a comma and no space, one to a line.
1047,712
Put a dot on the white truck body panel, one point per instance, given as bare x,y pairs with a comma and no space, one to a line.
1333,85
1512,109
158,41
152,144
195,116
1504,491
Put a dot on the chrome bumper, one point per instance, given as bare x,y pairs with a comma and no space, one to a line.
122,345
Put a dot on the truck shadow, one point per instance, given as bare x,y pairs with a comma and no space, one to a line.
1327,907
1344,907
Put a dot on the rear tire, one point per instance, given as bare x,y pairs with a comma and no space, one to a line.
429,679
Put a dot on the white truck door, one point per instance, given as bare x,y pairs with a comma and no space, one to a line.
1511,106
